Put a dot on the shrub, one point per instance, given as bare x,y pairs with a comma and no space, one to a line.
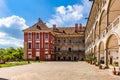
95,60
115,63
89,58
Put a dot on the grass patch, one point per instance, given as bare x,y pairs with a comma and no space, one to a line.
10,64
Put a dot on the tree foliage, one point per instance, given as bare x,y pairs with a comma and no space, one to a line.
11,54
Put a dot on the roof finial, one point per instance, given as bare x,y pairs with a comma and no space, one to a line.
39,19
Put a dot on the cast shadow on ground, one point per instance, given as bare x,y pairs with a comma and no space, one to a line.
3,79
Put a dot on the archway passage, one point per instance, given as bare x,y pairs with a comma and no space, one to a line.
102,50
113,10
112,49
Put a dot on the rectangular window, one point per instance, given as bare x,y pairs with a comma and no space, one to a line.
29,45
37,45
46,35
47,56
58,41
29,35
64,41
37,54
58,49
37,35
46,46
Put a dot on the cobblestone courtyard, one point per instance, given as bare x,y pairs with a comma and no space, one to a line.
56,71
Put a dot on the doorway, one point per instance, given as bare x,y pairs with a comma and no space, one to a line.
75,58
64,58
37,58
69,49
58,58
111,60
69,58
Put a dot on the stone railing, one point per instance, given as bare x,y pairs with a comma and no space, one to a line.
68,43
114,24
72,51
110,27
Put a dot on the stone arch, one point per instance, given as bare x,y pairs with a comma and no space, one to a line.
96,30
93,35
95,49
113,10
103,21
112,48
101,52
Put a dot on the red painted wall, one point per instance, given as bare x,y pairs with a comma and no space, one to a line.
42,45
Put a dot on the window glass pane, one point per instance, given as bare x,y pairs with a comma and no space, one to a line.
30,36
46,46
58,49
37,45
58,41
64,41
29,45
46,35
37,35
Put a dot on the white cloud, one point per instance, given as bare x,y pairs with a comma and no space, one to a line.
2,34
10,24
9,21
10,29
69,15
61,10
6,40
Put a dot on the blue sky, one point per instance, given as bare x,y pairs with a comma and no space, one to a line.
16,15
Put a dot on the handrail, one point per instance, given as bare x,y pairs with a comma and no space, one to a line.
115,22
111,26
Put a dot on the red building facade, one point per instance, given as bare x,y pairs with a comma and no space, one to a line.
38,43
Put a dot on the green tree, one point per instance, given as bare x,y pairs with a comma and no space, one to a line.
18,54
11,54
1,54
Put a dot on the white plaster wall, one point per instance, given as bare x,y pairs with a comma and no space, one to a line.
114,54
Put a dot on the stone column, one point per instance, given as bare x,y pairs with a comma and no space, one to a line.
106,58
98,57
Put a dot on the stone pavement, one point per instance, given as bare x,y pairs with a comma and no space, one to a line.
56,71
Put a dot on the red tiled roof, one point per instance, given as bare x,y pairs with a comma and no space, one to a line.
41,26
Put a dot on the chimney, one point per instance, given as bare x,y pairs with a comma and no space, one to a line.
54,27
76,27
80,27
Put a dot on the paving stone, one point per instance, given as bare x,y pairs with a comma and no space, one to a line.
57,71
